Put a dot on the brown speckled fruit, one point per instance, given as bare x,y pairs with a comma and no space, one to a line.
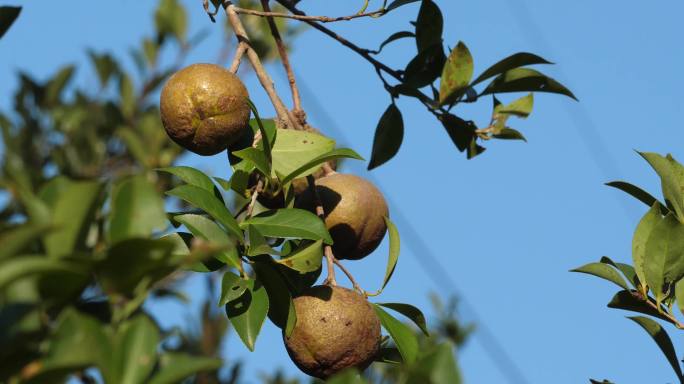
355,211
204,108
336,329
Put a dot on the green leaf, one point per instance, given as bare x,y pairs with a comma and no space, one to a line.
663,262
307,259
403,336
461,132
7,16
258,245
281,308
429,25
633,301
14,269
207,202
641,235
511,62
679,294
456,74
638,193
339,153
436,366
425,67
509,134
394,248
295,149
127,95
661,338
133,351
206,229
171,18
137,209
18,238
105,65
257,157
398,3
56,85
191,176
347,376
672,179
394,37
248,312
71,217
268,131
290,222
521,107
413,313
526,80
388,137
174,367
627,270
603,271
232,287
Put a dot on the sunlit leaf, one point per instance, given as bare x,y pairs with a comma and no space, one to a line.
638,194
339,153
511,62
663,262
281,308
294,149
248,312
641,235
208,230
413,313
403,336
290,223
672,179
603,271
456,74
307,259
232,287
660,336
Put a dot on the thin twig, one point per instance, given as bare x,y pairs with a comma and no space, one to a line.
262,75
327,169
655,306
322,19
327,250
349,276
239,53
282,50
259,186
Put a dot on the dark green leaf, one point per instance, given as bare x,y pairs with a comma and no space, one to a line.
105,65
174,367
425,67
413,313
664,256
388,137
18,238
248,312
14,269
398,3
7,17
389,355
258,245
509,134
403,336
137,209
603,271
511,62
456,74
641,235
281,308
57,84
268,131
632,301
290,222
627,270
232,287
637,193
394,37
339,153
207,202
347,376
191,176
525,80
661,338
127,95
429,25
133,351
461,132
672,179
394,248
257,157
307,259
208,230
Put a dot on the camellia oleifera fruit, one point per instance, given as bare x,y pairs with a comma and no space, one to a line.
336,329
204,108
355,212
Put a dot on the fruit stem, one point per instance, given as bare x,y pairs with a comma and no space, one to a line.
327,250
350,277
257,189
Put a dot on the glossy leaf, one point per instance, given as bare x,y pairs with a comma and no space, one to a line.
137,209
660,336
191,176
7,16
511,62
388,137
281,308
638,194
403,336
632,301
290,223
232,287
71,217
603,271
257,157
206,229
174,367
672,179
664,256
641,235
394,248
207,202
307,259
456,74
526,80
339,153
413,313
248,312
627,270
429,26
294,149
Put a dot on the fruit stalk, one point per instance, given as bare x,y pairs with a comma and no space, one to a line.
327,250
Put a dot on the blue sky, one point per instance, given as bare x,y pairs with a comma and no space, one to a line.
508,225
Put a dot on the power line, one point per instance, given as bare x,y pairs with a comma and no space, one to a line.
429,263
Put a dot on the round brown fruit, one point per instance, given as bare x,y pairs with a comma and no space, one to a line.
355,212
336,329
204,108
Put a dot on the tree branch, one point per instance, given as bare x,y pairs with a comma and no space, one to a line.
239,53
322,19
262,75
282,50
327,250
